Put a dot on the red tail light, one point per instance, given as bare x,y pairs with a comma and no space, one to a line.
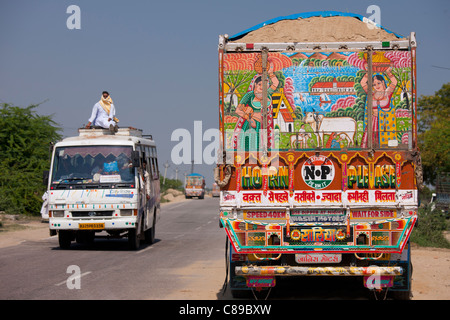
237,257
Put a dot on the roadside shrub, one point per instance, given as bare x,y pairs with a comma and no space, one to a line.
24,155
171,184
430,228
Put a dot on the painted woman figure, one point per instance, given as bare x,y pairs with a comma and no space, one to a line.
249,109
383,113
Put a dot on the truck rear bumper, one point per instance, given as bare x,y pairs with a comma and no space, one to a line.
316,271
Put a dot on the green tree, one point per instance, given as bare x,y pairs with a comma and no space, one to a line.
24,155
433,113
170,184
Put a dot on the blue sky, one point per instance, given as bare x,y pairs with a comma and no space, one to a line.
158,59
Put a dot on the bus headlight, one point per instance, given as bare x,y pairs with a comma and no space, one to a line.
126,212
56,214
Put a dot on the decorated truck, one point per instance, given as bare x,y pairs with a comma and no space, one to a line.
318,162
194,186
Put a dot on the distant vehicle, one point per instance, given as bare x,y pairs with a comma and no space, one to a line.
215,190
194,186
96,184
441,199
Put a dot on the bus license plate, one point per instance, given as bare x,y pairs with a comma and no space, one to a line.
91,226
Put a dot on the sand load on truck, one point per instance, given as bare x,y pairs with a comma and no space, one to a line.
317,29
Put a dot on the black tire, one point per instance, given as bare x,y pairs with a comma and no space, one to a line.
240,293
407,294
150,233
237,293
64,239
134,240
402,295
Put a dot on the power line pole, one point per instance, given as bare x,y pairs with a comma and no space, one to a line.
185,175
166,165
176,173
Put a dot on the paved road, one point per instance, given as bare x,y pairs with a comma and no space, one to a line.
185,262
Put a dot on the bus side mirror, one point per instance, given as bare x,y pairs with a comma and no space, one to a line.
135,158
45,177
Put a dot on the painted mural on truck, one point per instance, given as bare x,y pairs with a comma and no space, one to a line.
317,100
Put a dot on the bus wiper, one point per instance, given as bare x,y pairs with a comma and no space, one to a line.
74,179
60,186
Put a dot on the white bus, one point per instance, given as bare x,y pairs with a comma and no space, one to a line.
97,185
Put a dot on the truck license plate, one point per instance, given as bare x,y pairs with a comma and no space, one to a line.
91,226
318,258
260,282
378,282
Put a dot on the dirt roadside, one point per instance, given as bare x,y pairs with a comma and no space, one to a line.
431,266
431,273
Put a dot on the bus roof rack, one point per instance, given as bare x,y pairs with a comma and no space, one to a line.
129,131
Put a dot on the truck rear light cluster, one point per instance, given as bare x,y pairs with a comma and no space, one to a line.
237,257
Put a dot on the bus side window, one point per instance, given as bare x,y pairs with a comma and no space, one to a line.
155,168
141,152
147,159
149,168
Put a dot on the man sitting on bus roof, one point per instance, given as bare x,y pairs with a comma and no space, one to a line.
103,114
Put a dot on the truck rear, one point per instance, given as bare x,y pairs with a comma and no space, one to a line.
323,180
194,186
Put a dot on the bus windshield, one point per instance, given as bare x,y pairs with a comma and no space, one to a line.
99,165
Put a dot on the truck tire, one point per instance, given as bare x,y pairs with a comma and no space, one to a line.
64,239
402,295
239,293
407,294
134,240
